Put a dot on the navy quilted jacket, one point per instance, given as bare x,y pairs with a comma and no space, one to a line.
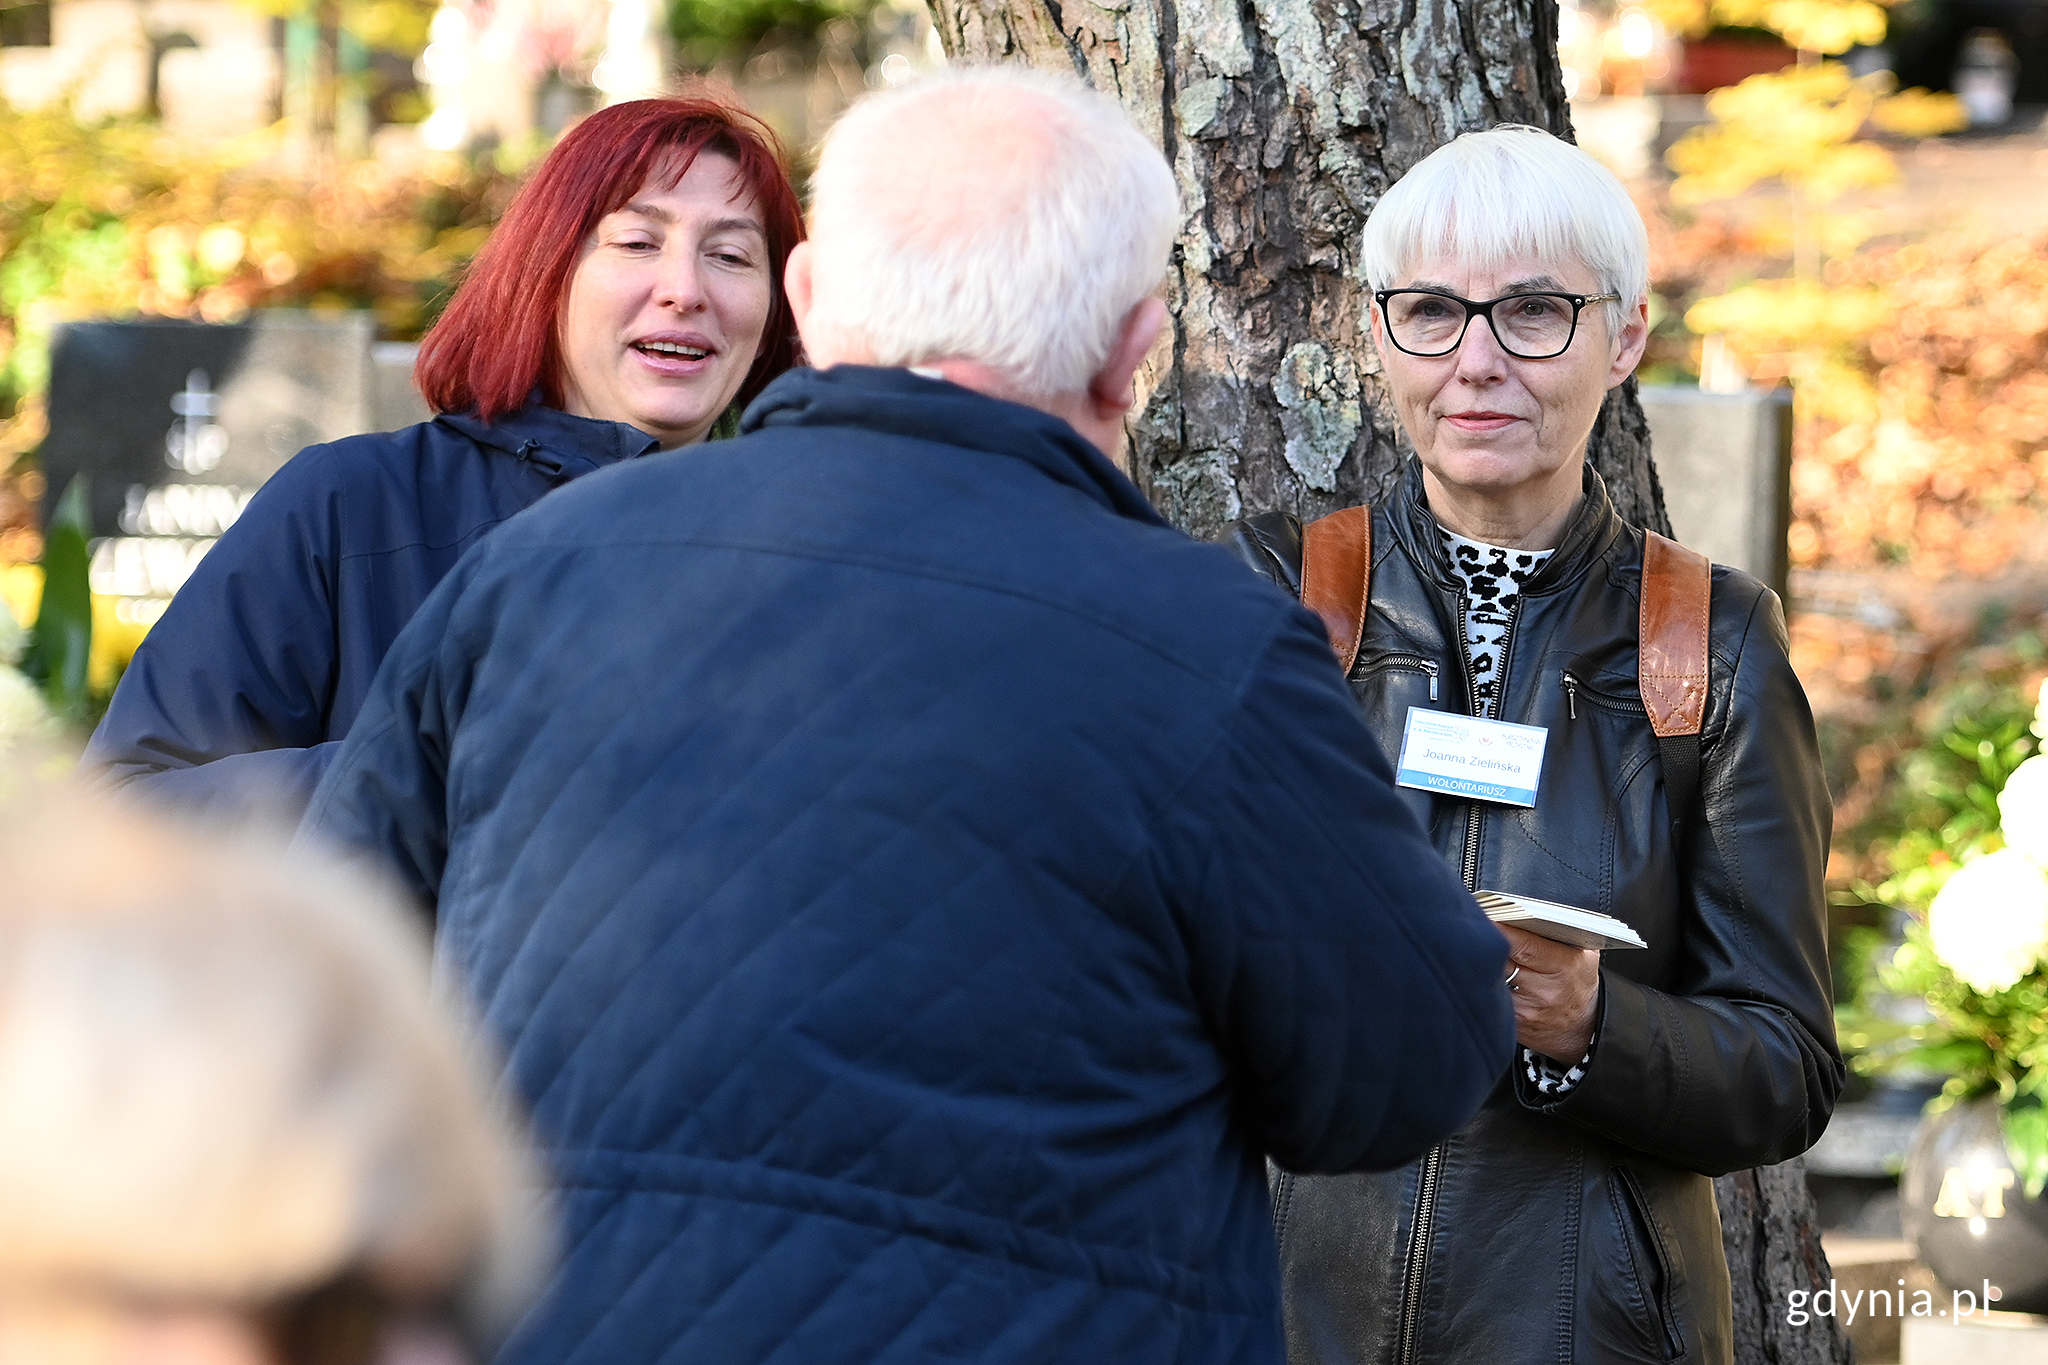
241,693
915,888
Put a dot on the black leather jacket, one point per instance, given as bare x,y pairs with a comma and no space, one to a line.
1584,1230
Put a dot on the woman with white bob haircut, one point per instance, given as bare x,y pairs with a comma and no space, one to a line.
1584,714
239,1131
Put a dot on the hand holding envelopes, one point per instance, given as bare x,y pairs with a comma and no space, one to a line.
1564,923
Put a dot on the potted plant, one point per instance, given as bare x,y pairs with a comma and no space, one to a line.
1975,951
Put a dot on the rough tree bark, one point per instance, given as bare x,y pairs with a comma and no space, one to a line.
1284,121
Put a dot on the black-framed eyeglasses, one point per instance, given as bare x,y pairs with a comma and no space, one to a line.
1533,325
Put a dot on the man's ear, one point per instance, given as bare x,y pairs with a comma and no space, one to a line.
1113,389
796,287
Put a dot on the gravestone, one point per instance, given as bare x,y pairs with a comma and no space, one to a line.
394,397
1725,461
176,424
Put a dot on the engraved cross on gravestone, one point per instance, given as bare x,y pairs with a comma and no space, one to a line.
195,441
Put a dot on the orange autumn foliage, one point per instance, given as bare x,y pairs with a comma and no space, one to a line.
1945,468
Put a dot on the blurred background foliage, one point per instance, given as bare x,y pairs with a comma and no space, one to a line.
397,26
1947,763
114,219
1821,26
1917,796
1920,369
710,34
1921,403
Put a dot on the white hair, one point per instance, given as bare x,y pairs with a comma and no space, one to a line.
1512,191
227,1081
997,214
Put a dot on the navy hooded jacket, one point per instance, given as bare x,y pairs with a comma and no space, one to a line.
915,889
241,693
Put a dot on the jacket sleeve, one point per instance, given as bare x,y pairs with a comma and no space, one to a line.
1269,543
273,783
385,794
224,705
1736,1065
1355,986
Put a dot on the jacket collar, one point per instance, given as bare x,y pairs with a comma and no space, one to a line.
561,446
1587,535
898,403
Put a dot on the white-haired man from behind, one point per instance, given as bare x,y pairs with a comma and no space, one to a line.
919,888
930,210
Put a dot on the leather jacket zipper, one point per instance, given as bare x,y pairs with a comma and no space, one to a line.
1418,1252
1469,863
1507,642
1574,689
1475,814
1427,667
1433,1164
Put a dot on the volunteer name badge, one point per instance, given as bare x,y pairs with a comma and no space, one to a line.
1486,760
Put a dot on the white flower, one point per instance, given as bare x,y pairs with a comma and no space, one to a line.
13,639
1990,922
24,715
2023,809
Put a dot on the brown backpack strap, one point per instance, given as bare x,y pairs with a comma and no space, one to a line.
1671,662
1336,577
1672,644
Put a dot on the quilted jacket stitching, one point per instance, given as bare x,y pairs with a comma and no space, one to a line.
999,1239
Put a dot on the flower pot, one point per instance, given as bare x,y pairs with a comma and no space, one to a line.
1716,61
1964,1210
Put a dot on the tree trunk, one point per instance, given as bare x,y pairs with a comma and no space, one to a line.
1773,1244
1284,121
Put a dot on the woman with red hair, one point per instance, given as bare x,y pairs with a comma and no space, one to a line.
630,302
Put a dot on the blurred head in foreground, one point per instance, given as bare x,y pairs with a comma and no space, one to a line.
239,1129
